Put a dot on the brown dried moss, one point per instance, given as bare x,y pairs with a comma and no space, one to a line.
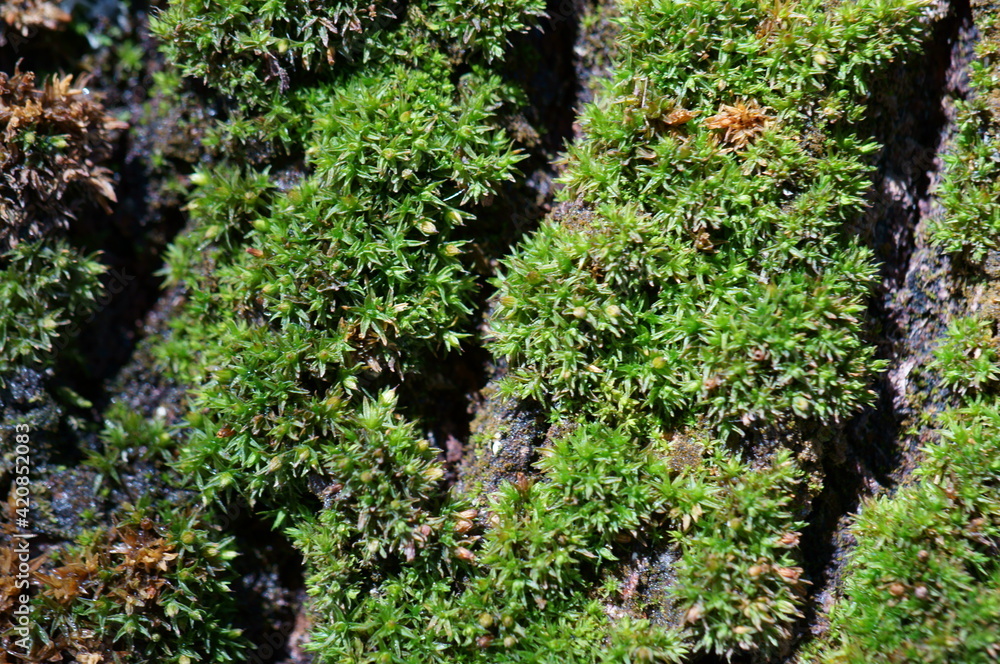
122,571
742,122
26,16
52,143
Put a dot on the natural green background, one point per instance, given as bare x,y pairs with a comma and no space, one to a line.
690,326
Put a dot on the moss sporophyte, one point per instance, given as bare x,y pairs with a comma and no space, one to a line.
673,343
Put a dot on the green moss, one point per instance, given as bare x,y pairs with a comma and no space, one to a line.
307,310
698,271
737,579
45,287
923,584
707,271
56,139
516,594
129,438
698,274
245,48
969,188
153,588
967,358
253,58
354,279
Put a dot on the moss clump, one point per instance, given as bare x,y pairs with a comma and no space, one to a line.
217,42
967,357
700,273
44,287
923,584
703,267
737,579
517,591
925,568
54,141
351,283
251,59
311,305
152,588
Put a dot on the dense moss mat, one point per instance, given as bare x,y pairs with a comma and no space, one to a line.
698,288
700,272
923,584
698,276
705,268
